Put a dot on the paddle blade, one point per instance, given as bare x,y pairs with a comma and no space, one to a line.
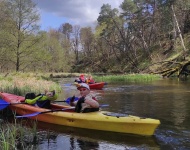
68,84
3,104
68,99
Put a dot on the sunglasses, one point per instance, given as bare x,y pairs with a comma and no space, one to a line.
82,89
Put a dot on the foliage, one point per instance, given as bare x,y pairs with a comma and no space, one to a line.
15,136
20,29
126,40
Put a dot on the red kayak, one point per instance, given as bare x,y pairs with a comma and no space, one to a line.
98,85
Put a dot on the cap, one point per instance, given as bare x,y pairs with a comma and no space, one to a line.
83,85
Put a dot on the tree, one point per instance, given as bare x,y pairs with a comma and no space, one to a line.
66,30
76,42
87,38
21,31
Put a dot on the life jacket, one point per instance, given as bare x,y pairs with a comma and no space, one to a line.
82,79
78,106
78,80
44,103
94,98
40,103
91,81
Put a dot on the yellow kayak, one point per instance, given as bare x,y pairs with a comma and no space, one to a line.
101,120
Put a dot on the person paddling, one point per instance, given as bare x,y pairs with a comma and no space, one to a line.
81,79
87,102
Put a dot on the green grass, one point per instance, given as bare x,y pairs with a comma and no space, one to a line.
22,83
16,136
127,78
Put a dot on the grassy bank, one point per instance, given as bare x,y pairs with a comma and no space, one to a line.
22,83
15,135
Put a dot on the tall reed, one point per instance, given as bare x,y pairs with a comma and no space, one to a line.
19,134
127,78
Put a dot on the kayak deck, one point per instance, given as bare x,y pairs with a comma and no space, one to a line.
101,120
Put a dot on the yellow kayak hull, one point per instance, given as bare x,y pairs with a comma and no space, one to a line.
101,120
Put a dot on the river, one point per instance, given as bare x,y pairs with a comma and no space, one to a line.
167,100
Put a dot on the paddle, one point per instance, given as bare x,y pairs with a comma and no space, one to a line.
68,84
68,100
43,112
4,104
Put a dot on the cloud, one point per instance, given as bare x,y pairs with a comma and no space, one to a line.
76,12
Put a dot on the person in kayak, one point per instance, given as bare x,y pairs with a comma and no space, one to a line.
86,103
81,79
43,100
90,80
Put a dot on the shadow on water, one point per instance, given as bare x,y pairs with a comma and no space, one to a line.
100,135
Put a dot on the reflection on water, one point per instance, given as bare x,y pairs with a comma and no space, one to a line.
85,139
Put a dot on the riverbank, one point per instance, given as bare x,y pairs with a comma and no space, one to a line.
22,83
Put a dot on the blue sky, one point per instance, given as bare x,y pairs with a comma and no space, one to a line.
76,12
50,20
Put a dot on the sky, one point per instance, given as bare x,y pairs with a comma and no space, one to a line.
84,13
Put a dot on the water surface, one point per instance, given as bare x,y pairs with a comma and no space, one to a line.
167,100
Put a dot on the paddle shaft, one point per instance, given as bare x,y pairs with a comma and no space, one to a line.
55,110
60,101
43,112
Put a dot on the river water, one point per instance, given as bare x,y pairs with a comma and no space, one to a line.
167,100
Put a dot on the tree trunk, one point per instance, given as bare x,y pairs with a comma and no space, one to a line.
182,42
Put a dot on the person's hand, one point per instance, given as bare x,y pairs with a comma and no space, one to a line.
81,100
72,99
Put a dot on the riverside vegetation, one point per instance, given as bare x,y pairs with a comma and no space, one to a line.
14,135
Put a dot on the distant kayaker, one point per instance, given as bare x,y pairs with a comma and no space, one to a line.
81,79
86,102
43,100
90,80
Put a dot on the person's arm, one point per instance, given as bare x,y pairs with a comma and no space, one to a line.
32,101
91,102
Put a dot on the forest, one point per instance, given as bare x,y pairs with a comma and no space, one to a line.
143,36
